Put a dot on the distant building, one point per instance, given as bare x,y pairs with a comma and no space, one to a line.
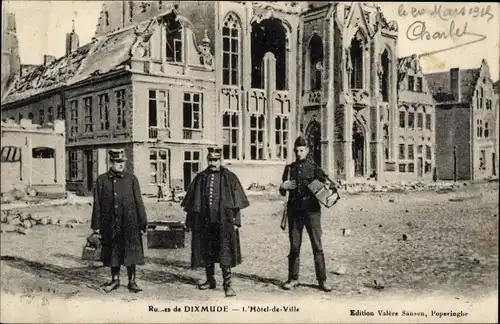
466,123
415,129
33,155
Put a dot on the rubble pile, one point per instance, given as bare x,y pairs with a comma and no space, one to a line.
255,187
18,195
23,222
401,186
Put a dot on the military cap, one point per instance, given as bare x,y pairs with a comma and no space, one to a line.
301,141
214,153
117,155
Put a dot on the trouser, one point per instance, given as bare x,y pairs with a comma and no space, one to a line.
226,274
115,273
312,222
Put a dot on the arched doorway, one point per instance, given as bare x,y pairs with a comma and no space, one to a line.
313,133
358,149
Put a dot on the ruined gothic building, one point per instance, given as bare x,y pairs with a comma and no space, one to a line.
167,79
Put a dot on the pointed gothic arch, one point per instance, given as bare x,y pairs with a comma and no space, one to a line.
314,64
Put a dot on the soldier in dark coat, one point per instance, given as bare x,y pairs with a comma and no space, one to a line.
119,216
213,202
303,210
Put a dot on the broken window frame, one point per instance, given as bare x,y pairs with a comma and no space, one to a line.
428,121
402,121
282,131
121,122
193,163
50,114
315,53
420,120
258,140
73,130
103,101
402,151
159,160
43,152
174,42
231,51
192,108
41,116
73,161
411,83
231,135
357,55
87,115
418,84
428,152
386,73
411,151
259,48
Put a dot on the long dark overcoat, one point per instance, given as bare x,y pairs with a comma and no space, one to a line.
232,200
119,213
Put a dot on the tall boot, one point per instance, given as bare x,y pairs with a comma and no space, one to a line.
227,277
132,285
210,283
320,267
115,280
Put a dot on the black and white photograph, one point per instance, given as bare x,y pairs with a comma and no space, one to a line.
249,162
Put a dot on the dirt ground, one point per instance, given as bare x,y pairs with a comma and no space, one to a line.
451,248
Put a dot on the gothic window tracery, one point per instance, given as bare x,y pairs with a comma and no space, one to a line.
231,32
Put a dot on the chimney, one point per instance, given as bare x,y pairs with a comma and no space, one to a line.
48,59
72,41
455,84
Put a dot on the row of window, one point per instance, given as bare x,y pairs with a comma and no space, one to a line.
407,120
407,151
104,109
481,102
410,167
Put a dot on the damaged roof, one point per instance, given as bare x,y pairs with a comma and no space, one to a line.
439,85
105,54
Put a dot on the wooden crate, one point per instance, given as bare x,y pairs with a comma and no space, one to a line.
166,235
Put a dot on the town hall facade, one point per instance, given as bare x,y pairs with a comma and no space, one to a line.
166,80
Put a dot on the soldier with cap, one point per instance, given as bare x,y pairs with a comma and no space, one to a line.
213,202
303,210
119,216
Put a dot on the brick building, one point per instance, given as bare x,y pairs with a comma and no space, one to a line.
149,85
33,155
467,115
415,128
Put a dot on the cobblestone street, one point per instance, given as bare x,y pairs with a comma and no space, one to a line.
451,248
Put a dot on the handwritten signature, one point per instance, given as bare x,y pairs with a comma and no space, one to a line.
419,30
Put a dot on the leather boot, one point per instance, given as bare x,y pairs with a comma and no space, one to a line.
132,285
115,280
210,283
228,289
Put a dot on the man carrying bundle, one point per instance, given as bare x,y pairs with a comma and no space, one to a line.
304,210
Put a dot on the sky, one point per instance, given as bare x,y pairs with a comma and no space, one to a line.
42,26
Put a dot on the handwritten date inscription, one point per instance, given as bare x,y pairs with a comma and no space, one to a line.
419,30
